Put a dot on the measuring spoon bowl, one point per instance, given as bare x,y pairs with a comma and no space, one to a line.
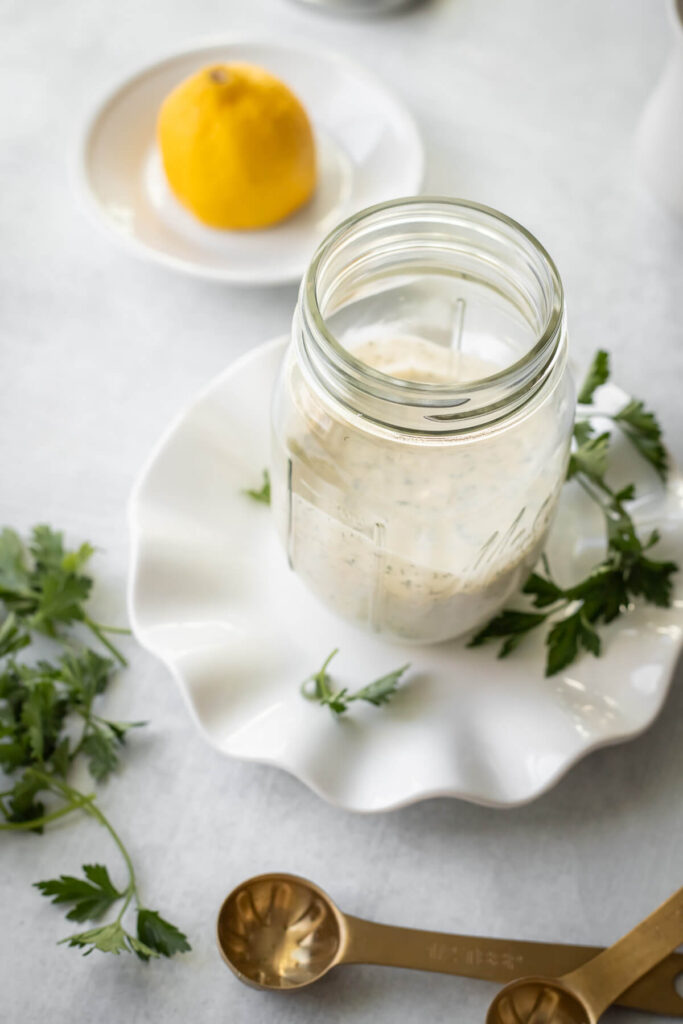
582,995
538,1001
280,932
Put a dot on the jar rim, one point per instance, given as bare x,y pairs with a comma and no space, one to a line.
427,392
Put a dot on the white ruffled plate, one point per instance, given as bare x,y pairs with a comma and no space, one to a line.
212,596
368,148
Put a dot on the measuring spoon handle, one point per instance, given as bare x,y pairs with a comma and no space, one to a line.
499,960
605,977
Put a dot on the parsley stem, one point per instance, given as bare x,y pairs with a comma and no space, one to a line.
97,630
132,889
78,801
327,661
87,804
557,606
27,826
120,630
593,494
322,690
79,746
588,412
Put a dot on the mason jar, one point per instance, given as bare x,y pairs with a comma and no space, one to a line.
422,417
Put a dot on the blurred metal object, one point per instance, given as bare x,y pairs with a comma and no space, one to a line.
359,8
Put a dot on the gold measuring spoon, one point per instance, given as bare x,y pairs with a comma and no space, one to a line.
583,995
282,932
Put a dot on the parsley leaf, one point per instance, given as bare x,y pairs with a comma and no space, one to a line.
120,729
42,716
142,951
113,938
603,593
62,757
23,805
263,494
86,675
583,431
544,591
14,573
509,623
59,600
159,935
597,375
652,580
645,434
590,458
12,638
101,745
91,897
565,639
381,690
108,938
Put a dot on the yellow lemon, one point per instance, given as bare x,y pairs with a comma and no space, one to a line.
237,147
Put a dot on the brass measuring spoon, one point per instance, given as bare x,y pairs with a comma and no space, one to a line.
281,932
583,995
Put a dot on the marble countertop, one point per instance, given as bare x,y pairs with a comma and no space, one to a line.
525,105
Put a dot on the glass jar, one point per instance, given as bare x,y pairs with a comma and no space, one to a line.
422,417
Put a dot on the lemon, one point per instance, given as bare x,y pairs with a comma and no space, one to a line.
237,147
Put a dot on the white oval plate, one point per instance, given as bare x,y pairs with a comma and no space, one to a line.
212,596
368,146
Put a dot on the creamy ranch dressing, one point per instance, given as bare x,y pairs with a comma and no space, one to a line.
418,538
417,359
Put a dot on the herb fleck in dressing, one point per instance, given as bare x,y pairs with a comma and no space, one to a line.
419,537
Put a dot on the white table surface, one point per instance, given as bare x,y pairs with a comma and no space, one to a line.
527,105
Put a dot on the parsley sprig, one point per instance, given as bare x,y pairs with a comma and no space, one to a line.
45,586
319,688
639,424
49,721
626,573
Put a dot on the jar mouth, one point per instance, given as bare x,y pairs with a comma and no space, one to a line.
433,227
